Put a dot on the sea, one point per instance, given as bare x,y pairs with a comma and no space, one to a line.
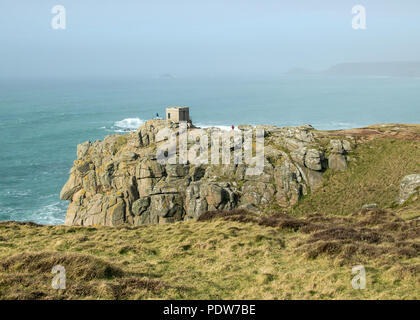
43,120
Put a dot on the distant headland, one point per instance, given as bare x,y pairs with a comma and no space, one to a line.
386,69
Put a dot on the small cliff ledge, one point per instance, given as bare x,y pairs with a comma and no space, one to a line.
119,180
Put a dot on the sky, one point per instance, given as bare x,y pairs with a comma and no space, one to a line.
200,37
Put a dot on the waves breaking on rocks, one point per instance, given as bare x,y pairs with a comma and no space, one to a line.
128,124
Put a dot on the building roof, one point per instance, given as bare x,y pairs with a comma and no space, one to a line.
176,107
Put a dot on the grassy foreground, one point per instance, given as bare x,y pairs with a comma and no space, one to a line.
305,254
237,256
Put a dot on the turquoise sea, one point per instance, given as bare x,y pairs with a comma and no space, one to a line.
42,121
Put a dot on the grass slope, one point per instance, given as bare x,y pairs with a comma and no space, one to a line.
232,257
373,176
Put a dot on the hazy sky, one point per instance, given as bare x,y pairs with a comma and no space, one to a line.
197,37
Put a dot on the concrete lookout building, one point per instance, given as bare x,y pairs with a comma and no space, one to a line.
178,114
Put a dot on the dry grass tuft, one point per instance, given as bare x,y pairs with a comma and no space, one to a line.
232,215
280,220
363,235
78,266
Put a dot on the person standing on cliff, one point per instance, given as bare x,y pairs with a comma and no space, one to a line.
233,127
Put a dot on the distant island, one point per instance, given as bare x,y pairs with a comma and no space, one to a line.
388,69
166,76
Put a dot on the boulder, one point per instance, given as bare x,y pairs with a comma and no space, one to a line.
257,193
409,186
115,214
370,206
145,219
337,162
167,205
72,213
309,158
140,206
177,170
337,159
194,204
346,146
288,182
149,168
71,187
215,196
82,149
299,155
128,156
245,127
313,159
336,146
313,178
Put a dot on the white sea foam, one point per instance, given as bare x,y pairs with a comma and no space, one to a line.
332,125
17,193
221,127
128,124
336,125
52,213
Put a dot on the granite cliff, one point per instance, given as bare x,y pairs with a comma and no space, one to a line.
119,180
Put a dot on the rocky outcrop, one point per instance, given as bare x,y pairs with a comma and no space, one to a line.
120,181
338,156
410,185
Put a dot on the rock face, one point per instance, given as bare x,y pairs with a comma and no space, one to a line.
120,181
337,159
410,185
